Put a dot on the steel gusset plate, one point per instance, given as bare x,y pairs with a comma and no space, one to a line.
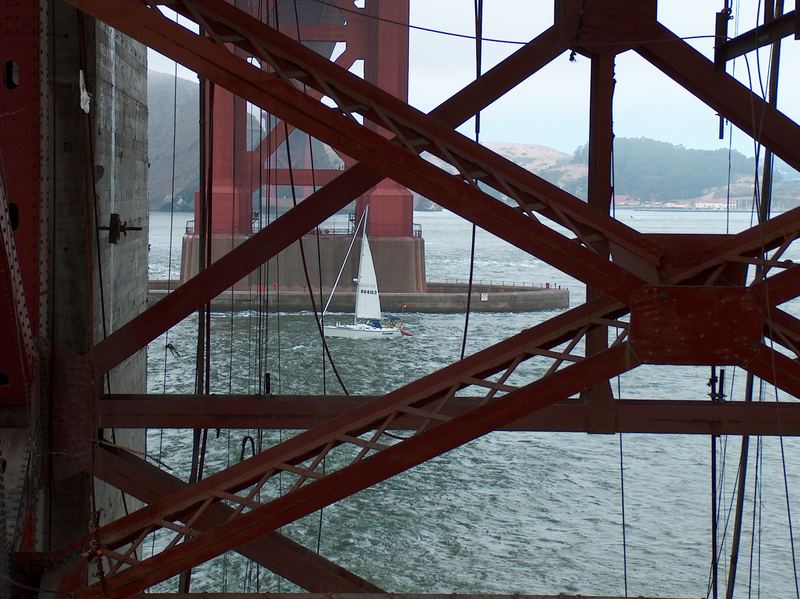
499,372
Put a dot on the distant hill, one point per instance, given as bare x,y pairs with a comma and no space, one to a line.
647,172
161,102
650,172
659,172
161,97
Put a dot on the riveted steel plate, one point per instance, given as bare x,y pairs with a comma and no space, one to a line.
696,325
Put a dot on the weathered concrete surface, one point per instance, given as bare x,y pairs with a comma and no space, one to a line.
102,157
440,298
399,262
120,134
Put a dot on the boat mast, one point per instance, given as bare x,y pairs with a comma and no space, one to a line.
341,268
361,254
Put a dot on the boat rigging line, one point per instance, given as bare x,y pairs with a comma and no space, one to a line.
344,262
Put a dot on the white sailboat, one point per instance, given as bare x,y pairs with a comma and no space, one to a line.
368,302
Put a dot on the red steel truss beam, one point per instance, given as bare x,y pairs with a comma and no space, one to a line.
198,547
228,269
601,144
269,145
16,338
302,454
723,93
274,551
784,329
776,368
485,363
324,490
781,287
504,355
684,417
311,212
763,35
418,131
161,327
299,176
778,231
351,33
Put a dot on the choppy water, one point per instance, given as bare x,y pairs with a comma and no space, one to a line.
510,512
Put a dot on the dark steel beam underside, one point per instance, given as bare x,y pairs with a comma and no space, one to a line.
764,35
303,412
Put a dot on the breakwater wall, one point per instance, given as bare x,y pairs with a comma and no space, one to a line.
440,298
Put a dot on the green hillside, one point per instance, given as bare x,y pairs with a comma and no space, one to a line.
655,171
646,171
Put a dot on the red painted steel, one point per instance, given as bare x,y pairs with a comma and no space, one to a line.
274,551
264,157
778,369
784,329
781,287
20,226
420,132
766,34
671,322
601,147
723,93
685,417
16,348
321,490
696,325
370,35
231,201
391,212
324,203
777,231
20,144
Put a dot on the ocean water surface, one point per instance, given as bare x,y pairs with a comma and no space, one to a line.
509,512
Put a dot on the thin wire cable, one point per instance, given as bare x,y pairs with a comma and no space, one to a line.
619,396
788,510
494,40
478,6
765,212
624,525
760,510
714,513
622,498
319,272
169,252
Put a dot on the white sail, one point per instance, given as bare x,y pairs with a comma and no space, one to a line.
368,302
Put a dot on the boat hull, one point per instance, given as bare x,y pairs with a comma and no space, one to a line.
361,331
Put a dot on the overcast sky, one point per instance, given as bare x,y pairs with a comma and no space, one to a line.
551,107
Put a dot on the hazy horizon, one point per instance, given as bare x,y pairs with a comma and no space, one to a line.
551,108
